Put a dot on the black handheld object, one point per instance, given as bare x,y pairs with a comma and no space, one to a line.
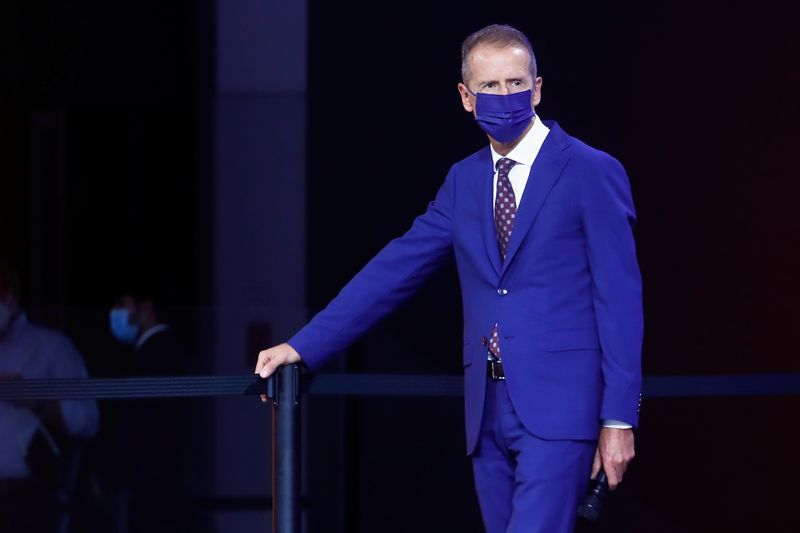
591,506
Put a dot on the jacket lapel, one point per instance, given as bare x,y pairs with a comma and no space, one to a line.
546,170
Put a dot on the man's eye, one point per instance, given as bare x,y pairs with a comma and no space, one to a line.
517,82
490,85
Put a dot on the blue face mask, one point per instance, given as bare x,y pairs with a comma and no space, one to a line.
504,116
122,329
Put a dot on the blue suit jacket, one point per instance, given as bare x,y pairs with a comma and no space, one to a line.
567,298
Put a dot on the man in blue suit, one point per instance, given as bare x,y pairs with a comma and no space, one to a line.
541,226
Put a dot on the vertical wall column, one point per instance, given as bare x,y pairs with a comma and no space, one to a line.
258,222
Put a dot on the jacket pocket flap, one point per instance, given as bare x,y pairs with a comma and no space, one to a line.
572,339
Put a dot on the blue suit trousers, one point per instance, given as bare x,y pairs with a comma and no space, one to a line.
526,484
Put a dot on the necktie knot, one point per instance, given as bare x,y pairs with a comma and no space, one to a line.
505,165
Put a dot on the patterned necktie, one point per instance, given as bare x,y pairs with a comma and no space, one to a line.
505,211
505,205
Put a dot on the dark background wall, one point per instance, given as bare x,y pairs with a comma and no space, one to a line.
104,156
116,87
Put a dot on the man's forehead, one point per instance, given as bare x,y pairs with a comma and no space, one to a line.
488,53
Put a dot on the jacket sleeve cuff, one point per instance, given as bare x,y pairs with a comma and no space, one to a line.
622,408
312,357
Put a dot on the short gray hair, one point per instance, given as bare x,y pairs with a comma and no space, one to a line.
500,36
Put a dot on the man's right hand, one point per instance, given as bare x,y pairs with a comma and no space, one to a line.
270,360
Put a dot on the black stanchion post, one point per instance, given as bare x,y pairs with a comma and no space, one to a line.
286,450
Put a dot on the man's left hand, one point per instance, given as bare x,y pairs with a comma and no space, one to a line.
614,452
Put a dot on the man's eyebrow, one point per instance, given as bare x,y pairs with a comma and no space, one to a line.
484,82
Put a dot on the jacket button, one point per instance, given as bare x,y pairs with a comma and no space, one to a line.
502,292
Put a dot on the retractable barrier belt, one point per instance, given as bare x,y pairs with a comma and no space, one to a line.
364,385
125,388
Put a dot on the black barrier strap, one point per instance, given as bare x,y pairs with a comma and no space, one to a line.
364,385
387,385
652,386
122,388
730,385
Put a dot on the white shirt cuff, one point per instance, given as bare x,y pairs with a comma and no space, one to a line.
616,424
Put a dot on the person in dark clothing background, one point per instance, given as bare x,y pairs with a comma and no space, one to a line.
143,448
134,320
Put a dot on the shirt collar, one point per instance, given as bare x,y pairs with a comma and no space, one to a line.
528,148
149,333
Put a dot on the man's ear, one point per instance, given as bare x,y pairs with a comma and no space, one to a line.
467,100
536,96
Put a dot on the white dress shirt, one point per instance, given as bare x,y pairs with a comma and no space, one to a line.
33,352
525,154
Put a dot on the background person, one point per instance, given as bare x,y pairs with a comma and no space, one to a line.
141,464
37,436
